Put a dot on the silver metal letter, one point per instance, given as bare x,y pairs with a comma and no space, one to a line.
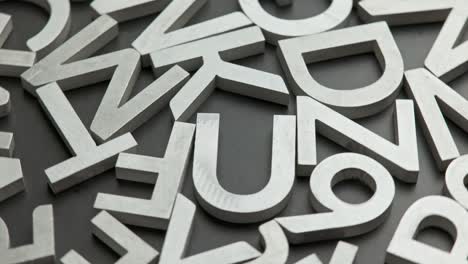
124,10
455,180
356,103
11,177
401,160
404,12
90,159
12,62
430,211
170,172
276,28
275,243
57,28
177,237
211,56
7,144
42,250
336,218
345,253
73,257
249,208
85,43
116,114
434,100
157,36
444,60
122,240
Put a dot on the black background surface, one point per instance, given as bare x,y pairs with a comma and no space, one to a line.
245,142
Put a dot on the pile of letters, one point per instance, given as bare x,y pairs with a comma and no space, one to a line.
189,63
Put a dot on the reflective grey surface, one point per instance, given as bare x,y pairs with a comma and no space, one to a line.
246,162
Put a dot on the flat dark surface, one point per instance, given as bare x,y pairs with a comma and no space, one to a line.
245,143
